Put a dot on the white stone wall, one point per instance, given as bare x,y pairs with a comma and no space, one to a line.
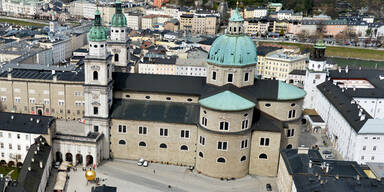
373,106
133,21
345,139
16,139
312,79
191,71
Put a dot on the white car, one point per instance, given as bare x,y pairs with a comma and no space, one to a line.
145,164
140,162
330,156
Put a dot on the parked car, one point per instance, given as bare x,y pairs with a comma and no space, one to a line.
140,162
330,156
326,152
145,164
57,164
268,186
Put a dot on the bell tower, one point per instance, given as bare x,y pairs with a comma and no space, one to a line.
315,73
118,42
98,84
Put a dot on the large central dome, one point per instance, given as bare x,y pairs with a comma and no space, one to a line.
233,48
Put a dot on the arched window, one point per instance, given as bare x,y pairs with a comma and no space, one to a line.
239,29
95,75
122,142
243,158
116,57
262,156
234,29
95,46
201,154
220,160
289,146
184,148
142,144
163,145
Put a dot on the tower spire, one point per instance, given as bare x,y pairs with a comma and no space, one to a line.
237,4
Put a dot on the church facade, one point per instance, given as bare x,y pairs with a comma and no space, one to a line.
226,125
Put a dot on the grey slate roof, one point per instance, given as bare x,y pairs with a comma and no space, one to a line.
170,112
187,85
29,181
316,118
104,188
372,75
317,179
22,123
342,103
77,75
263,50
297,72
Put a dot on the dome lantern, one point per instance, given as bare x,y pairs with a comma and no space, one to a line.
98,32
118,19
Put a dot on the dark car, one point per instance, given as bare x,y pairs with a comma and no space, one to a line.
326,152
268,186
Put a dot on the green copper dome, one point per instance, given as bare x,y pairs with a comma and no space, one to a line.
320,44
98,31
289,92
226,101
233,50
236,17
118,19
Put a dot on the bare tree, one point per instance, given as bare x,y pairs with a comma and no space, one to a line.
303,35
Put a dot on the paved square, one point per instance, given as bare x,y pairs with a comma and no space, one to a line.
127,176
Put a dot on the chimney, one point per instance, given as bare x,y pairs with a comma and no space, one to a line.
339,70
35,152
346,69
354,88
41,164
54,78
353,101
358,177
12,117
337,176
33,159
37,120
38,148
362,118
302,150
31,118
29,168
381,77
327,168
360,112
310,164
53,72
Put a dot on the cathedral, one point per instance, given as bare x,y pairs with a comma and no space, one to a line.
226,125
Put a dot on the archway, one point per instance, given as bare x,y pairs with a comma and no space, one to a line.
68,157
79,159
40,112
11,164
19,164
3,162
289,146
59,156
303,121
316,129
89,160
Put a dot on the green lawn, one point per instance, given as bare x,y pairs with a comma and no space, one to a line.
15,174
5,170
357,62
17,22
345,52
